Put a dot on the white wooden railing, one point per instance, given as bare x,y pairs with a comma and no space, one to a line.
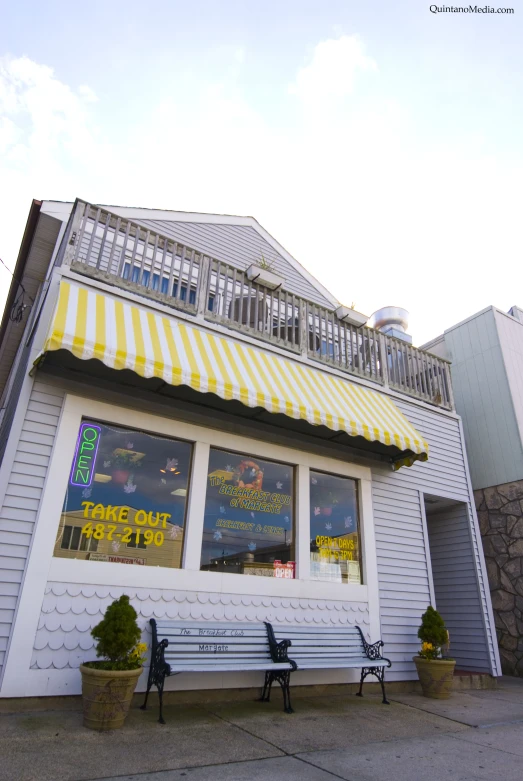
104,245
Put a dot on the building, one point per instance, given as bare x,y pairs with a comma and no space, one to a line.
190,418
486,351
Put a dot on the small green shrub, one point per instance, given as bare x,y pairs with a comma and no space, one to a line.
432,634
117,637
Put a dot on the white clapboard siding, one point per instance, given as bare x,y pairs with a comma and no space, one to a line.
455,586
239,245
22,498
400,543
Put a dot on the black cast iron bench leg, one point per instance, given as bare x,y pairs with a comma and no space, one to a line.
266,693
379,673
283,678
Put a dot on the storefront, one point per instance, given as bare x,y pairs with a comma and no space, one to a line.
196,508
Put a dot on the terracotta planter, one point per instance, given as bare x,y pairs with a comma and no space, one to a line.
107,696
436,676
120,476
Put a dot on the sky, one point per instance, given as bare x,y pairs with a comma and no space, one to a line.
380,143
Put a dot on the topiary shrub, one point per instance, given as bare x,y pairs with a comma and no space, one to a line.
117,637
432,633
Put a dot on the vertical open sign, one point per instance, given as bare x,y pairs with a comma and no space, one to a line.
85,455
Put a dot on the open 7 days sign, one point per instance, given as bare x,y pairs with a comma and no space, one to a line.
85,455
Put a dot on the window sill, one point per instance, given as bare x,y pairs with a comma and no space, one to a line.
99,573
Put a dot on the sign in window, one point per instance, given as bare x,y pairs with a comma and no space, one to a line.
126,498
334,524
249,516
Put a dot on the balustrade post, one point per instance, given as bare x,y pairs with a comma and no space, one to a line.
448,375
71,237
384,359
303,329
203,285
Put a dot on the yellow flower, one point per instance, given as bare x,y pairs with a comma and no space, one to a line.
427,647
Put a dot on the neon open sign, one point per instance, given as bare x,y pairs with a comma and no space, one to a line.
85,456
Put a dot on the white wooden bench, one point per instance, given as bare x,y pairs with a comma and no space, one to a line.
204,646
331,647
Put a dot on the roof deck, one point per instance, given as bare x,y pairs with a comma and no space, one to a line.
120,252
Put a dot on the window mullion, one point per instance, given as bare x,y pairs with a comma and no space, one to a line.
196,507
302,539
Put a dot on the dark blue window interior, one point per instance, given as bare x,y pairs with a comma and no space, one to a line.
164,286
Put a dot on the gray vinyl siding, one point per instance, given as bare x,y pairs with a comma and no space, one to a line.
239,245
455,587
403,574
484,400
400,541
22,498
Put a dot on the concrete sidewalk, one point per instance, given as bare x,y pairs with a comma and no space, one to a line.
474,735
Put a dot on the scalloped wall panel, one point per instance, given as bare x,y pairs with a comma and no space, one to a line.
69,611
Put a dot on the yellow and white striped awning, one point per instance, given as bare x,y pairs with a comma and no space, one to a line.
125,336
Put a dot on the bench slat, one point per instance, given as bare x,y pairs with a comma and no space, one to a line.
219,658
238,629
315,631
331,664
298,642
328,652
231,667
203,645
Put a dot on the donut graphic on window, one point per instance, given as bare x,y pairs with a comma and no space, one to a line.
248,475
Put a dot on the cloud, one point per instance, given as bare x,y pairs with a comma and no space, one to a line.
380,212
87,93
48,140
333,70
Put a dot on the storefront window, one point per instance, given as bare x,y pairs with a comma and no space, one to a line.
249,516
335,545
126,497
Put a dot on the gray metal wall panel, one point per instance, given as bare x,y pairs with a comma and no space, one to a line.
400,540
22,499
483,399
455,587
239,245
510,332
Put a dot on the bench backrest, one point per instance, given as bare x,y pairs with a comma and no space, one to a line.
214,644
319,643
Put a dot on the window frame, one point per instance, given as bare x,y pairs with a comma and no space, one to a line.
359,523
189,576
288,464
136,429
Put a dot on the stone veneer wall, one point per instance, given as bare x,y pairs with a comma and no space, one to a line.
500,515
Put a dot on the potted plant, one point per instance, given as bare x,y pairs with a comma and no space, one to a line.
435,671
262,273
108,685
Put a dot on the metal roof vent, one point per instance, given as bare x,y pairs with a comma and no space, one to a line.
393,321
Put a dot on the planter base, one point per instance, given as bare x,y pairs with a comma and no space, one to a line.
106,696
436,676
